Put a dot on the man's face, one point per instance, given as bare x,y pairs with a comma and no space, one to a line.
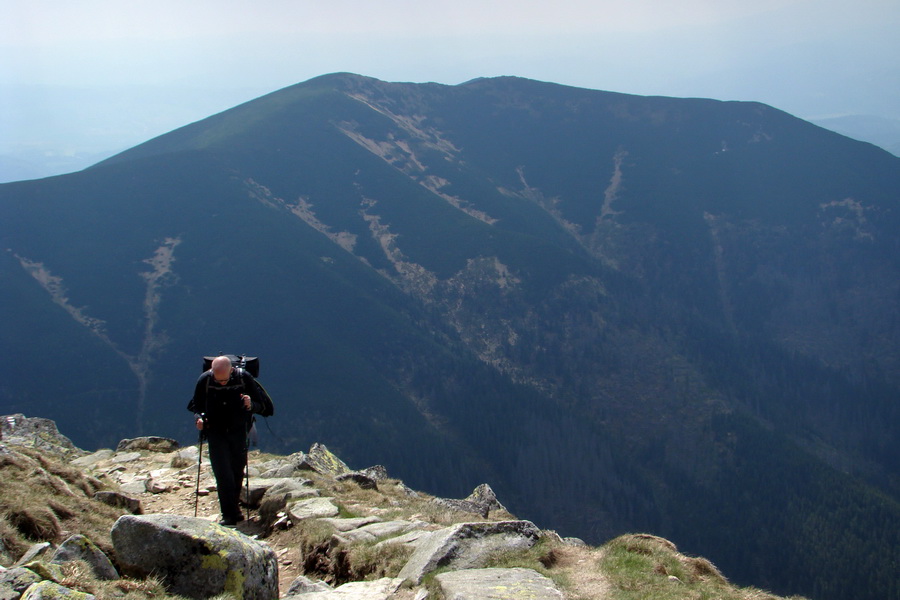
221,370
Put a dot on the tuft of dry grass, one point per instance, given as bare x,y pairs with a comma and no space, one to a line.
42,499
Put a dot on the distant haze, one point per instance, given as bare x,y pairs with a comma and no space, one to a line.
81,81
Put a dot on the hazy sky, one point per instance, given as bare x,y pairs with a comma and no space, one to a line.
82,77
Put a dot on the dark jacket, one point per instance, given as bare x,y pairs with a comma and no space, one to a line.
221,406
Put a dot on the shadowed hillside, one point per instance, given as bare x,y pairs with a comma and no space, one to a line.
627,313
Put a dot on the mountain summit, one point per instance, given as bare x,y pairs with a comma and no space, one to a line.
627,313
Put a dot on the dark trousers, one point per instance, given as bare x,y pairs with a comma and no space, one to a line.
228,456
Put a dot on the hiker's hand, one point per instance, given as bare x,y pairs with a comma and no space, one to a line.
247,404
200,423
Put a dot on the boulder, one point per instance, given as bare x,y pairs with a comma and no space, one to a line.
46,570
467,546
305,585
312,508
119,500
138,486
195,557
78,547
14,582
320,460
48,590
150,443
279,471
497,584
380,589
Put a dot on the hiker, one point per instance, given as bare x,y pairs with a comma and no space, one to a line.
225,399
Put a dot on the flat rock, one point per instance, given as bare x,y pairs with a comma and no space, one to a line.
138,486
467,546
352,523
497,584
380,589
48,590
413,539
195,557
291,487
92,459
373,531
126,457
78,547
312,508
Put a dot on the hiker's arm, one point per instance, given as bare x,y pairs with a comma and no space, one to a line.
251,389
197,405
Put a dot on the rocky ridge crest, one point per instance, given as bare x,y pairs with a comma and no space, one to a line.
318,530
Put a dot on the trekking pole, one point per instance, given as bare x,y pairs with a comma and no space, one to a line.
247,470
199,460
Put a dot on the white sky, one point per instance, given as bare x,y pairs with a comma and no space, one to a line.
94,76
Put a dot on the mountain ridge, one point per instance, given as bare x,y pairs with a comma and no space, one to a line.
491,278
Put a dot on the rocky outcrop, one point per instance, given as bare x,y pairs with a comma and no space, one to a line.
35,432
467,545
497,584
481,502
149,443
196,558
320,460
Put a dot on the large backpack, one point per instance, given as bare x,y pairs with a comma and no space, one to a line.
251,365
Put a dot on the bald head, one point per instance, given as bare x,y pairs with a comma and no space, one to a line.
221,368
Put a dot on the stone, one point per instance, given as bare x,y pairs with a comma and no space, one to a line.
195,557
312,508
138,486
35,552
92,459
305,585
14,582
150,443
321,460
380,589
292,488
497,584
48,590
361,479
119,500
78,547
467,546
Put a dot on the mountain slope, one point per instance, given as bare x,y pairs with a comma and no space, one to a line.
662,299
